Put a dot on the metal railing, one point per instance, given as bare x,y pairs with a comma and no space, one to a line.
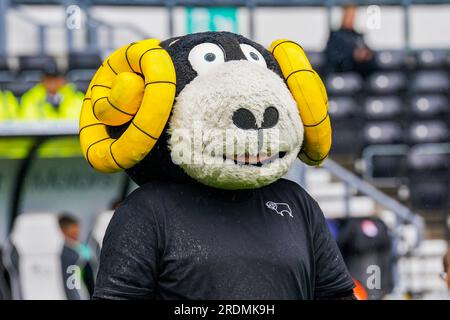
403,214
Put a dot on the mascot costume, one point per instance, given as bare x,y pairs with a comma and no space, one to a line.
207,124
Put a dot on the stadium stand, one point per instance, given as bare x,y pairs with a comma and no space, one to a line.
396,112
364,231
31,68
417,271
81,68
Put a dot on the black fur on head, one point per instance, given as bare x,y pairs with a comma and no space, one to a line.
179,48
158,164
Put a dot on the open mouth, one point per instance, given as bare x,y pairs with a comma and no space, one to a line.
258,160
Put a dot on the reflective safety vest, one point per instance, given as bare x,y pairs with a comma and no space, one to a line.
34,104
9,106
11,148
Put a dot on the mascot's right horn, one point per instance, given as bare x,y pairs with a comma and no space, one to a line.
140,78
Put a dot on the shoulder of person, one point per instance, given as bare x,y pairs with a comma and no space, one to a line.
148,197
33,91
295,189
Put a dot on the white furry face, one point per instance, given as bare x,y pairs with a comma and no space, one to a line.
235,127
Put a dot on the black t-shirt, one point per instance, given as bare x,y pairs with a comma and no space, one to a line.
187,241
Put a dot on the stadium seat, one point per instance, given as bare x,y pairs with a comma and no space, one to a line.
388,166
428,192
386,82
81,85
38,261
6,74
337,208
432,58
382,107
429,105
82,67
431,81
417,271
428,158
19,87
31,68
37,62
317,60
341,108
383,132
4,63
343,112
332,191
346,83
428,131
428,176
96,237
81,78
346,139
84,60
317,176
390,59
80,75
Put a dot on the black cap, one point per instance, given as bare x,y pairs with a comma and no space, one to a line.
51,70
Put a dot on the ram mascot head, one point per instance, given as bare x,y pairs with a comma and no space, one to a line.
214,106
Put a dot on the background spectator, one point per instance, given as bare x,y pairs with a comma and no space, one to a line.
52,98
346,49
71,230
9,106
446,262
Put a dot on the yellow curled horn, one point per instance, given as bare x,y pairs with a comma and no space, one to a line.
309,92
135,84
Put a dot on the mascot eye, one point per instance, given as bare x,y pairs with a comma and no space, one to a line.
253,55
210,57
205,56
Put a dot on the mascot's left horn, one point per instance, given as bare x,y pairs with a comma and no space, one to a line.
136,83
311,97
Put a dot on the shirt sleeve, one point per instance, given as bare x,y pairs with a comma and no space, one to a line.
332,278
129,256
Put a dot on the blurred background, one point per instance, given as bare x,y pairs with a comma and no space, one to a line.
384,190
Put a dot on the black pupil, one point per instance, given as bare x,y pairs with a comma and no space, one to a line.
254,56
210,57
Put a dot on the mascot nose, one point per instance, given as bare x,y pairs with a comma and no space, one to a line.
246,120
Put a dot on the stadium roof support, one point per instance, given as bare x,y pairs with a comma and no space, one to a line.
3,8
93,24
238,3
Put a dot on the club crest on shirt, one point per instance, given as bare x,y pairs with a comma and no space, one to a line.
280,208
